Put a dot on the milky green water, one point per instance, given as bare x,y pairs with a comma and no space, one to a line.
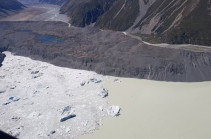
157,110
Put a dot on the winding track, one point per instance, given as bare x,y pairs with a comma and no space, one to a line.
191,47
48,12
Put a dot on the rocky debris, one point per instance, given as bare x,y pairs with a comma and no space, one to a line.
67,113
66,110
83,83
35,93
14,99
53,132
15,118
94,80
34,114
12,86
103,93
67,117
35,72
16,131
2,76
109,55
2,56
113,111
2,91
85,123
117,81
37,75
11,99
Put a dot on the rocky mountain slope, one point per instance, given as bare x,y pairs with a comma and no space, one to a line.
59,2
8,7
85,12
171,21
120,16
177,21
106,52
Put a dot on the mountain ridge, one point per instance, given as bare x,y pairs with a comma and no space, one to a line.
167,21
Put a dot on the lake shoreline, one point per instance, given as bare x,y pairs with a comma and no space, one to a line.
157,110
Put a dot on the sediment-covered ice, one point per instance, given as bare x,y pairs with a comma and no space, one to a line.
40,100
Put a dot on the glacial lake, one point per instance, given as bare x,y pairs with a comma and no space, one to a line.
49,39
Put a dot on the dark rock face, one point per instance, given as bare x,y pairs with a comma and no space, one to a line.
59,2
7,6
10,5
108,14
106,52
120,16
85,12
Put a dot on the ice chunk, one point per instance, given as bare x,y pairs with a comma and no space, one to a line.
113,111
94,80
117,81
103,93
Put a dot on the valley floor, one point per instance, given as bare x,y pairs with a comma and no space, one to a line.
38,12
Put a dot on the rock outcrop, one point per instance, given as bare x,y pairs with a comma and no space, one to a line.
106,52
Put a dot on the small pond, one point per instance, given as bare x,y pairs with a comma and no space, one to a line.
49,39
27,31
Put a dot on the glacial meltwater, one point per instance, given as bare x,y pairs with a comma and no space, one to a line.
49,39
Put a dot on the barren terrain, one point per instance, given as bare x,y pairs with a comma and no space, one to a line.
38,12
